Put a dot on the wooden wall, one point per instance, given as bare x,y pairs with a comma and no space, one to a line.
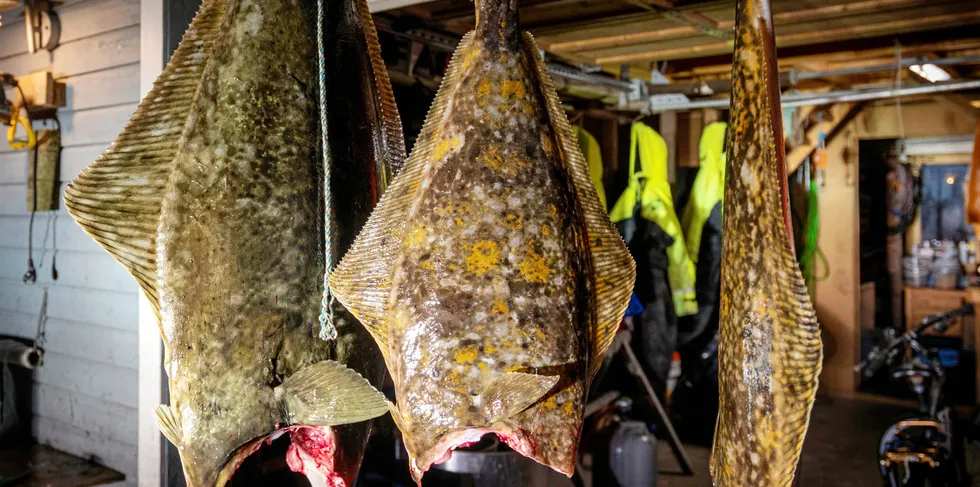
837,299
85,395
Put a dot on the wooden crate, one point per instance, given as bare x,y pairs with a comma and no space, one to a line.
921,302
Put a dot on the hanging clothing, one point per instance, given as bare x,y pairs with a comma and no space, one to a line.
702,228
708,188
650,190
593,155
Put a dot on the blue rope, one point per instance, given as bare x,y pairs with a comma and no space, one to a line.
327,329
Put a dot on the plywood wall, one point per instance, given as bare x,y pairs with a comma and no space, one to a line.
85,395
837,299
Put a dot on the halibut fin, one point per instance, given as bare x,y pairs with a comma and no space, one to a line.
394,139
168,423
327,394
613,267
363,279
512,393
117,199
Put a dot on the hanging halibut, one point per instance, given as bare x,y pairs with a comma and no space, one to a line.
769,351
213,198
490,274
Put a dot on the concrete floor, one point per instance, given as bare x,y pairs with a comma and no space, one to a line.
840,448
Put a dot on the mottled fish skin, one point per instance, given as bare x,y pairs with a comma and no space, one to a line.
770,350
503,262
238,251
497,240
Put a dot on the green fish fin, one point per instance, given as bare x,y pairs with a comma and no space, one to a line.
168,423
328,393
117,199
362,280
615,271
512,393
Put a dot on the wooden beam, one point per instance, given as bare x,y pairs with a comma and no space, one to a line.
841,33
842,59
808,15
668,130
841,114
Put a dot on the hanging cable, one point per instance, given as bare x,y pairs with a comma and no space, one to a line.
898,85
327,329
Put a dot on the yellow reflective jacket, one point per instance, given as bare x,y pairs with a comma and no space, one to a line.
593,155
708,188
651,189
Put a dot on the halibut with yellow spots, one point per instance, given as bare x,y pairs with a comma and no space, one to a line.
489,274
769,350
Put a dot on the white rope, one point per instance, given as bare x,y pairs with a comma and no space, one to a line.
327,329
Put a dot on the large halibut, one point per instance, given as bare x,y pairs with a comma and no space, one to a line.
769,350
489,274
212,197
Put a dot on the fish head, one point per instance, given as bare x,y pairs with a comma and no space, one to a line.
313,452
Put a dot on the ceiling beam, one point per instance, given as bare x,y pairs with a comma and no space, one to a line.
810,14
382,5
845,58
841,33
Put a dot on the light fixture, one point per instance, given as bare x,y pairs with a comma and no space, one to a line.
930,72
40,20
6,5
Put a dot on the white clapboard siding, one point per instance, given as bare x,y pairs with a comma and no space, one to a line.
71,338
85,394
51,230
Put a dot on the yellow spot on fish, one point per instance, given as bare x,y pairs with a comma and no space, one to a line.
453,267
484,257
514,220
491,157
470,56
550,404
466,355
500,306
459,221
545,231
513,88
482,366
568,408
534,268
488,346
427,265
484,89
554,211
416,236
540,334
443,147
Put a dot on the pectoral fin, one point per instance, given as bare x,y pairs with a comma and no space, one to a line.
168,423
615,271
328,393
512,393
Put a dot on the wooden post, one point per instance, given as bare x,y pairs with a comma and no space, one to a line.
668,130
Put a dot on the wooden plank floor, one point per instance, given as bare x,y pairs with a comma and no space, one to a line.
43,466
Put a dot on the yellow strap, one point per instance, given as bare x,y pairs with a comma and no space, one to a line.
20,144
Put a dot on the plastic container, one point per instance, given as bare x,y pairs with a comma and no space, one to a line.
946,272
917,270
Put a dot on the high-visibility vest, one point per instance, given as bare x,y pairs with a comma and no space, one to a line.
593,156
651,189
709,186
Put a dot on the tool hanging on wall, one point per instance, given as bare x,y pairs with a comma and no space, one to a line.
43,148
